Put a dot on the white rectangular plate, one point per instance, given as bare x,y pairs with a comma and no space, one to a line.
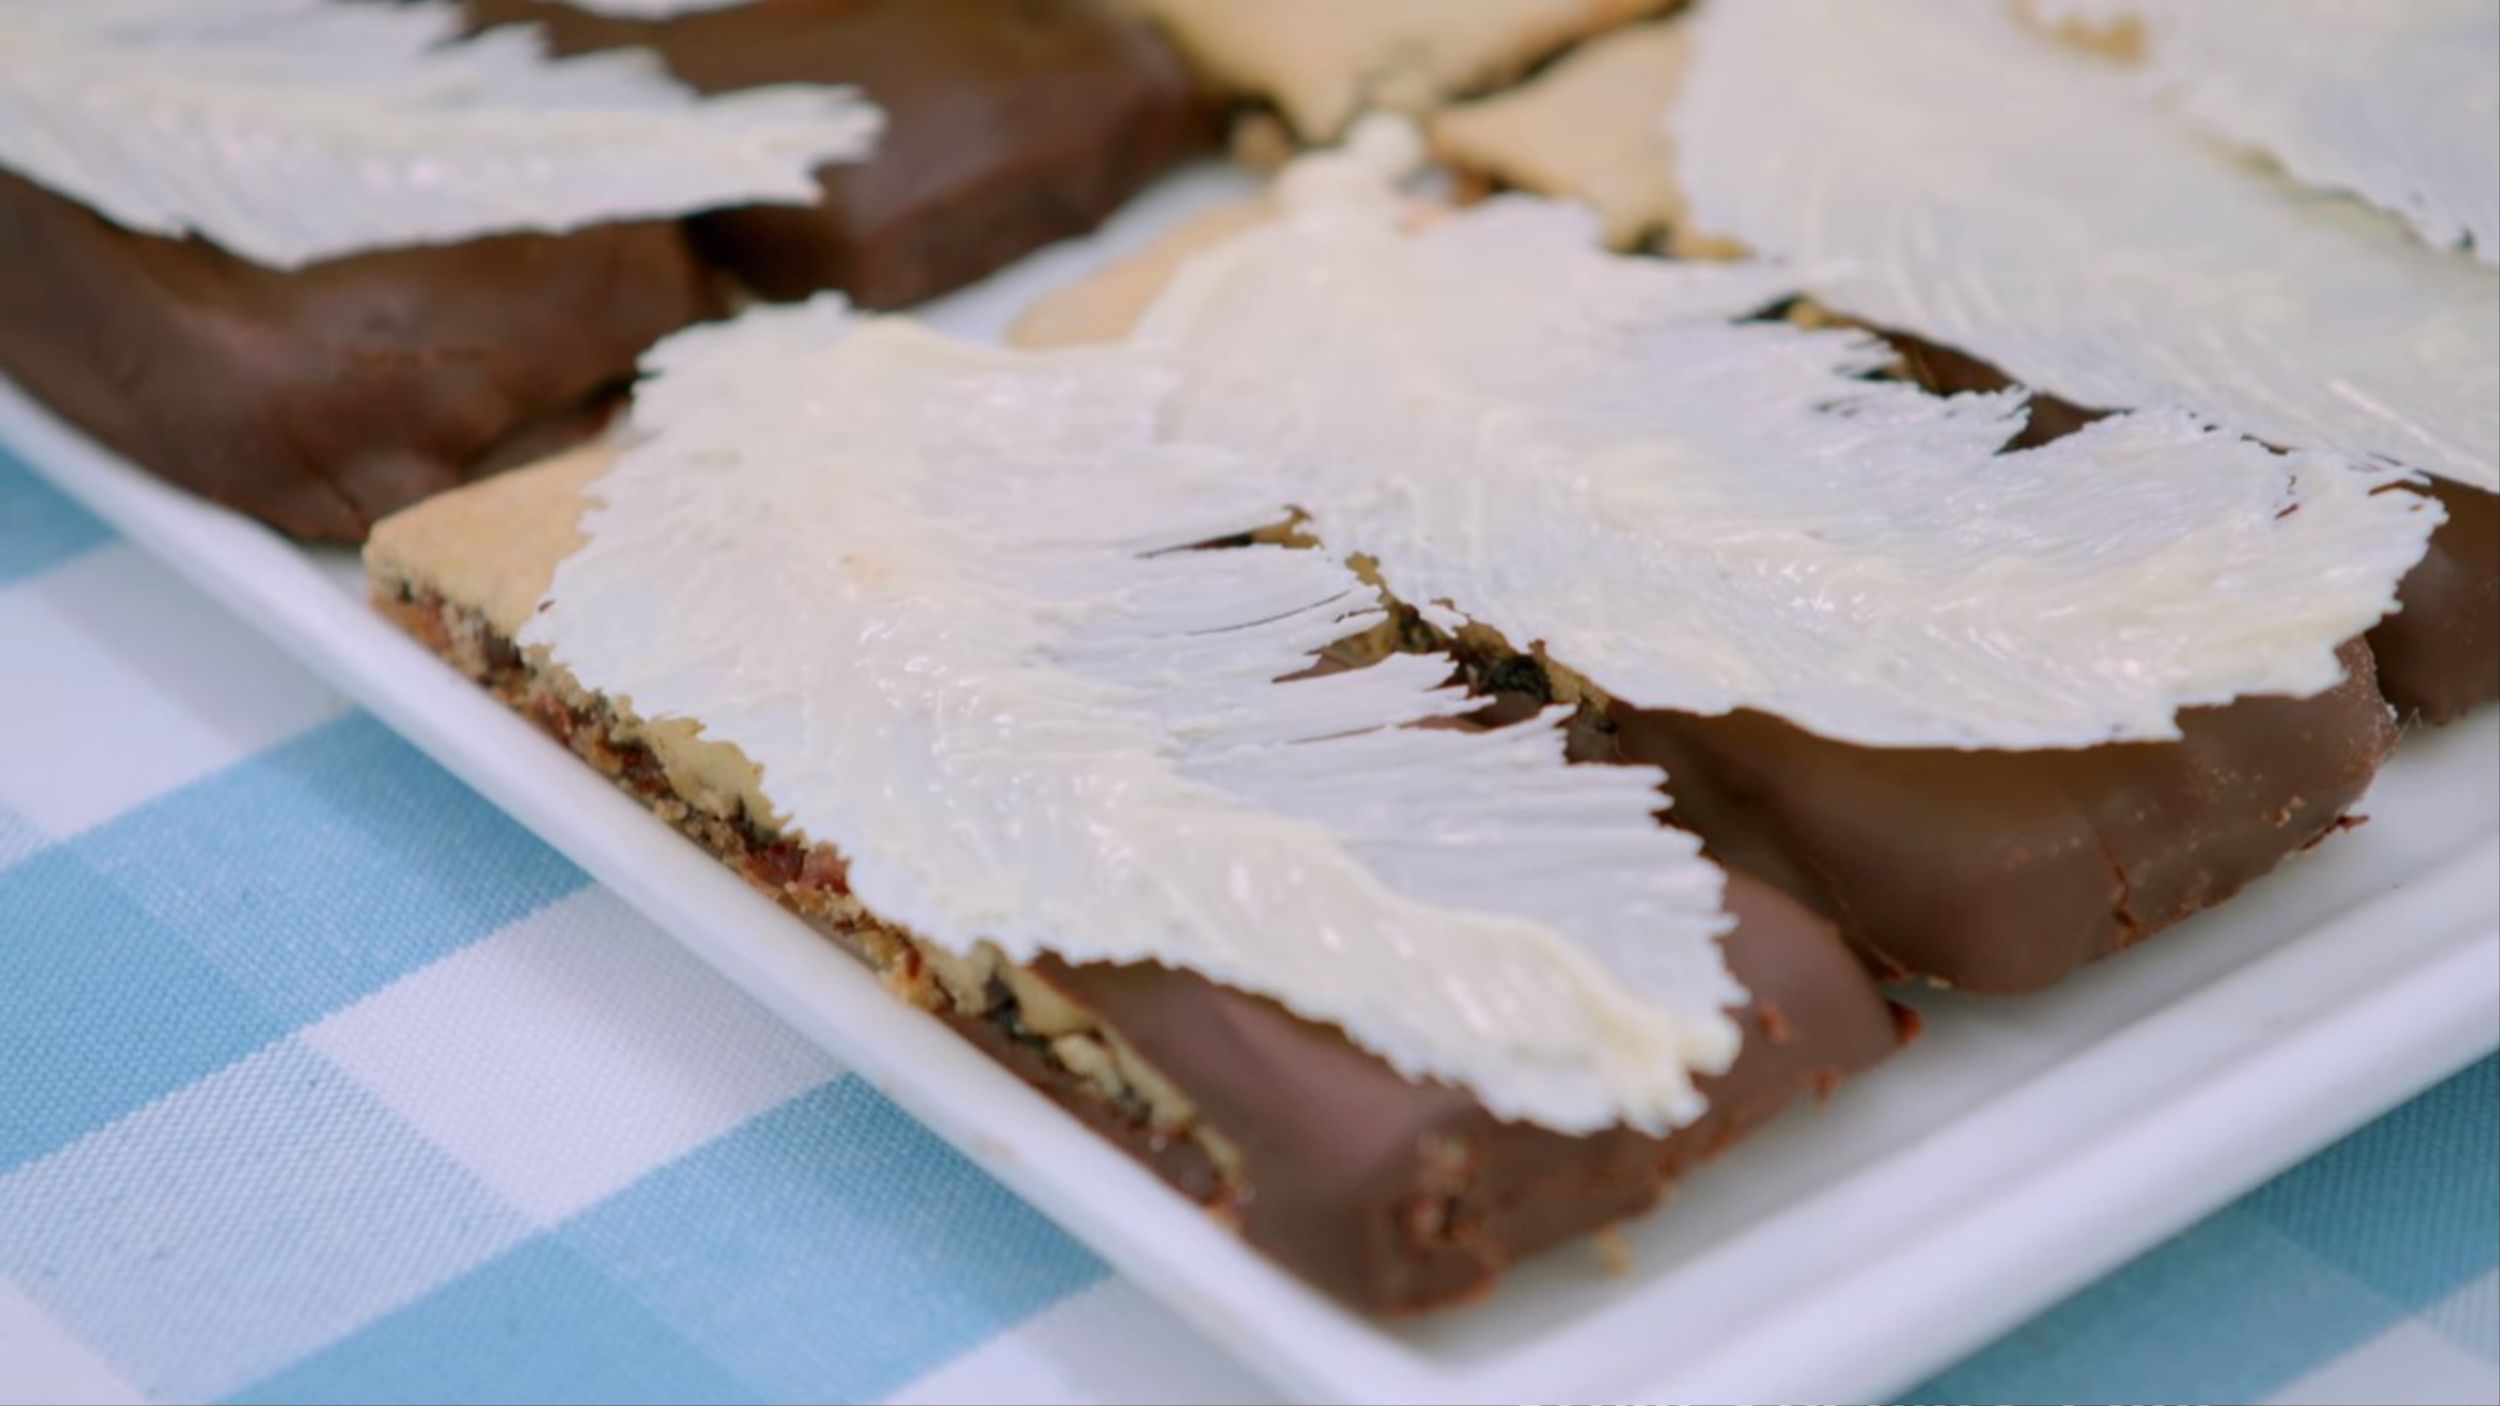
2019,1150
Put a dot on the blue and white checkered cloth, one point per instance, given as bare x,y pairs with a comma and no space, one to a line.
320,1080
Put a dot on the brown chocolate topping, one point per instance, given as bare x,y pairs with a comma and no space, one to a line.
324,398
2004,871
1394,1195
1948,372
1009,124
2439,656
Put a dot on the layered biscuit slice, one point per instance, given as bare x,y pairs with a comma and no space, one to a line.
1390,1190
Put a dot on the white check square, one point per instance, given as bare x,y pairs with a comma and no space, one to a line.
569,1054
190,688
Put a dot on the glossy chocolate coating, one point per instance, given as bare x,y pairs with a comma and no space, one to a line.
1009,124
2004,871
323,398
1394,1195
2439,657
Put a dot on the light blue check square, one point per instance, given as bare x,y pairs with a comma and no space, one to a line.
2228,1311
319,871
2397,1218
2432,1216
241,1223
101,1007
39,527
537,1324
2470,1317
831,1249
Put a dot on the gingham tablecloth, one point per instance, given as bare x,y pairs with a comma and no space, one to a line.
320,1080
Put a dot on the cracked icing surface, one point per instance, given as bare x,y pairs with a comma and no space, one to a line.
1939,167
2398,103
1025,718
291,131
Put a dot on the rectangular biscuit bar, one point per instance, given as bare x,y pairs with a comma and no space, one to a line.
1390,1194
321,398
152,295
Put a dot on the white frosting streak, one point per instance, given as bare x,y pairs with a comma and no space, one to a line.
938,594
1580,450
291,131
1950,172
2397,102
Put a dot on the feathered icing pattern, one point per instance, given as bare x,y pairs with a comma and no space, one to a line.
2398,103
1956,174
1581,450
942,597
290,131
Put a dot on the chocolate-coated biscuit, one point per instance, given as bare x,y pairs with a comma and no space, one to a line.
2003,871
1390,1194
321,398
1394,1195
1008,124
